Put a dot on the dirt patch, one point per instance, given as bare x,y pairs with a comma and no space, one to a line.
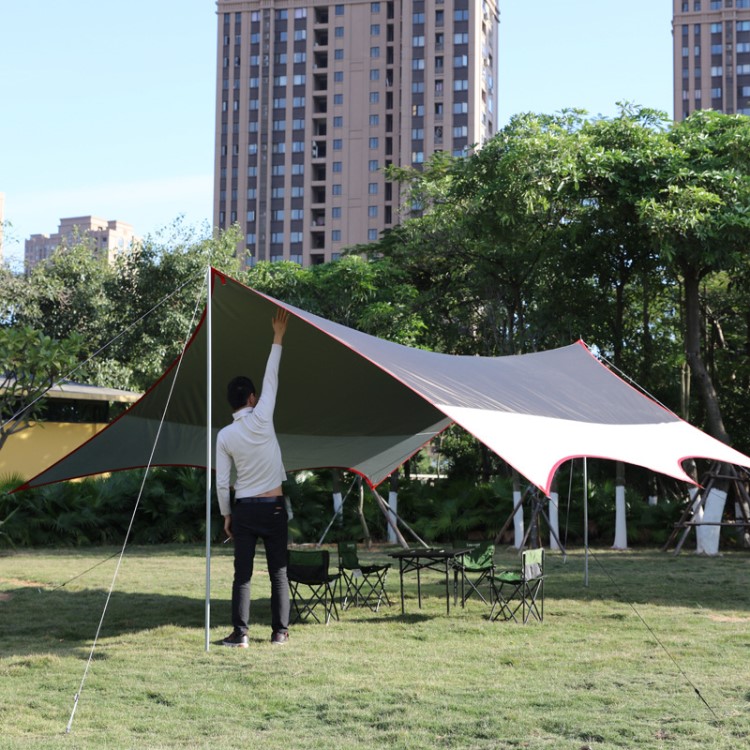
727,618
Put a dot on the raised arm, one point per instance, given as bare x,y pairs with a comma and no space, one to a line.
279,325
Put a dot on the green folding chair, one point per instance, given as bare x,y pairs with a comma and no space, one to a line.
361,585
474,569
514,590
311,586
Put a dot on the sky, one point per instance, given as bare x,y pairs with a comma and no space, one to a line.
107,108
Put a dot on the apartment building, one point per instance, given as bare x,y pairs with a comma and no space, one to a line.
314,100
107,237
711,56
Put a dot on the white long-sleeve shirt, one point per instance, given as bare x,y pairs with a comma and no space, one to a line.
250,445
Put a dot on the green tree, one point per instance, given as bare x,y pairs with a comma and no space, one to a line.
30,363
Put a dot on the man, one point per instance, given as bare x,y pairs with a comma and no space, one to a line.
249,445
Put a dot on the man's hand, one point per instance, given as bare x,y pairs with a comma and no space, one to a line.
279,325
228,527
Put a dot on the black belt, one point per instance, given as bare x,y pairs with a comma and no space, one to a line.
241,500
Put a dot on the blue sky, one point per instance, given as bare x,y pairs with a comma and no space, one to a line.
108,108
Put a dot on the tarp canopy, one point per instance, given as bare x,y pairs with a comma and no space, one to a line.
354,401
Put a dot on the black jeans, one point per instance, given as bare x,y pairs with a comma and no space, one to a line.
267,521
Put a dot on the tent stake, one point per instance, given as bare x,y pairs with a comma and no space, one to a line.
207,614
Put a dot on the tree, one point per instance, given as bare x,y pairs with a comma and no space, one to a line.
30,363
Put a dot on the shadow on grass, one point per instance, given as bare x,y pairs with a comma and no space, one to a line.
60,620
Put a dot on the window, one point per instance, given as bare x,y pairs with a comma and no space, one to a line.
461,61
282,15
716,49
336,212
337,189
338,54
417,110
417,18
337,144
339,10
298,147
298,169
297,191
277,81
417,157
374,7
252,193
296,237
338,32
717,70
743,25
296,214
460,108
372,165
337,166
743,47
338,98
299,80
374,120
417,41
373,142
374,97
417,63
338,122
338,76
277,170
372,212
461,85
300,57
277,238
743,3
372,188
372,235
462,38
716,92
298,101
279,125
252,171
278,215
254,82
460,131
251,239
374,52
375,29
715,4
439,17
417,133
716,28
251,215
252,148
743,70
336,235
300,35
417,87
461,15
300,12
374,74
279,103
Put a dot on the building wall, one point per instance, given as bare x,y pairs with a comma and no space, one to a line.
108,238
711,43
313,101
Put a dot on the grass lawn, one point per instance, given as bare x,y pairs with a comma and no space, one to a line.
591,676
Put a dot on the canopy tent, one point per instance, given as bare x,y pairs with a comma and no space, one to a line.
350,400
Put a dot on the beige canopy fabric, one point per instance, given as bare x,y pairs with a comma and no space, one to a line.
350,400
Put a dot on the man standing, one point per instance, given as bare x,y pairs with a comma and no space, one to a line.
249,445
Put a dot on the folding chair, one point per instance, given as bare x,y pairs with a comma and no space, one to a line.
513,590
311,585
365,584
476,568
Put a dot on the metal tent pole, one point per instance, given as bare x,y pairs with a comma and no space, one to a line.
208,460
586,522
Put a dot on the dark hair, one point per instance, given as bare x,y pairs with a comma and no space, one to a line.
239,390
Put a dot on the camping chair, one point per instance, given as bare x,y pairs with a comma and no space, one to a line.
513,590
311,585
475,568
365,584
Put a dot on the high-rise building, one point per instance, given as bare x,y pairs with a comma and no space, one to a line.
314,100
108,238
711,56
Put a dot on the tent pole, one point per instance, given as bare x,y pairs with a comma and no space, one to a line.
207,616
586,522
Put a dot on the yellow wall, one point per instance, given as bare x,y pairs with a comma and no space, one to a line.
31,450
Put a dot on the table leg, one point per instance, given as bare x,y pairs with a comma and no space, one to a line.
447,589
401,576
419,585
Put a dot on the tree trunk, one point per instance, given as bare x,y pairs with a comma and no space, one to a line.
393,505
621,524
554,515
518,517
695,361
338,502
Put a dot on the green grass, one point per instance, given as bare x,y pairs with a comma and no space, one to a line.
591,676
